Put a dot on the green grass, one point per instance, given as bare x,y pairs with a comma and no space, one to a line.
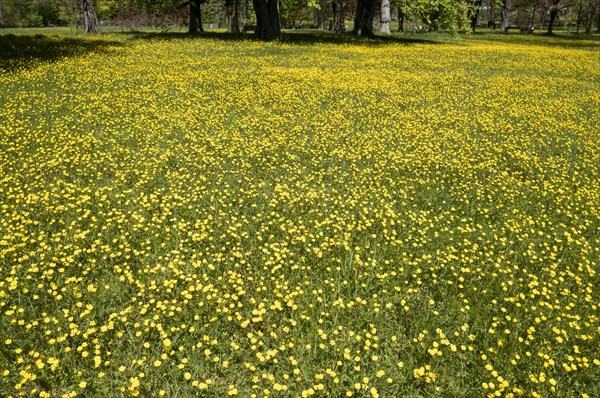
414,216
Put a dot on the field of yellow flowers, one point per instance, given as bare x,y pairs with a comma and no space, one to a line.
210,218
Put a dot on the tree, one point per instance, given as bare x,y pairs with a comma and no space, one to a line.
339,25
505,14
385,18
233,20
363,20
49,11
87,16
473,13
195,24
592,9
268,19
554,9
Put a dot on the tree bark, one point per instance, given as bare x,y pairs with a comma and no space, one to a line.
195,17
233,19
590,18
400,20
1,13
385,18
532,19
339,25
87,16
579,17
492,15
553,15
474,14
268,22
363,21
505,12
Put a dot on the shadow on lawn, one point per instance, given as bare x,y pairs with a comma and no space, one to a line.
575,41
295,38
18,51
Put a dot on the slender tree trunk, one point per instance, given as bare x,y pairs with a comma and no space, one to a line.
385,18
474,14
532,19
339,25
363,21
1,13
268,22
553,14
505,12
321,14
233,19
400,20
579,17
360,10
492,15
195,17
87,16
590,18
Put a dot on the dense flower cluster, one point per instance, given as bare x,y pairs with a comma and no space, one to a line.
191,217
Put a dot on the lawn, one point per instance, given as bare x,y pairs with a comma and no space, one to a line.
416,216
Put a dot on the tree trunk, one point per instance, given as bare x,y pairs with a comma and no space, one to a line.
474,14
1,13
268,23
321,15
385,18
339,25
590,18
400,20
532,19
492,15
579,17
195,17
87,16
233,19
553,15
363,21
505,12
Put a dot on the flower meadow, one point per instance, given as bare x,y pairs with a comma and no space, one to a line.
211,218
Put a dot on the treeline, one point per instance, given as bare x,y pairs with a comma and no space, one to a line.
267,17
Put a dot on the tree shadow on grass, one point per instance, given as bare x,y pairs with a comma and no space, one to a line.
18,51
303,38
576,41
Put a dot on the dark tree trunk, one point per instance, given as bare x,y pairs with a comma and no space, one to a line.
505,12
553,15
268,22
590,18
87,16
532,19
195,16
400,20
321,14
363,21
492,15
339,25
233,19
474,14
579,17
